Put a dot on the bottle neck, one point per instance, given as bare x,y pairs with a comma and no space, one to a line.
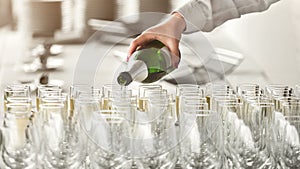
136,70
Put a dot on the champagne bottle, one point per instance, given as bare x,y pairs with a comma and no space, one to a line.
148,64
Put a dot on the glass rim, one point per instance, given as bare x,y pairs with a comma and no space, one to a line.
60,96
282,91
277,85
230,104
227,97
222,89
16,90
54,94
255,96
75,87
253,92
88,94
87,99
223,95
142,88
194,102
89,90
17,87
18,104
46,91
109,114
53,100
18,99
258,98
207,113
51,106
191,93
199,96
80,85
187,85
195,106
263,104
48,85
21,108
247,84
284,104
221,84
292,98
150,85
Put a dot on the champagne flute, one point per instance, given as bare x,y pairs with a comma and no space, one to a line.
64,140
109,140
16,91
248,89
291,145
159,141
44,90
73,91
19,148
200,146
261,122
141,95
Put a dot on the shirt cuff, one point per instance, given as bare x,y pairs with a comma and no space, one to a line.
193,15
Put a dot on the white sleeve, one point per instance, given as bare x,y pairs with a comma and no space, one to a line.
205,15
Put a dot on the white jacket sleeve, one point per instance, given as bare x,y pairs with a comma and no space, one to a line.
205,15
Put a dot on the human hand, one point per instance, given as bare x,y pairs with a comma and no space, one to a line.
168,32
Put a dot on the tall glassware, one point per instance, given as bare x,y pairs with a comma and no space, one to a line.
73,91
200,134
141,95
238,146
291,144
20,146
16,92
184,89
45,90
260,123
109,140
63,144
159,141
106,94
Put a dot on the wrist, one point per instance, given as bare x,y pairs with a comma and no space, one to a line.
180,21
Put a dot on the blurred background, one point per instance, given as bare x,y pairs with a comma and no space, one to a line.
41,40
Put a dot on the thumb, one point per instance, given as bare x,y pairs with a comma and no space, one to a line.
175,53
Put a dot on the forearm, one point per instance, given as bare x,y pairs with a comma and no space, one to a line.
205,15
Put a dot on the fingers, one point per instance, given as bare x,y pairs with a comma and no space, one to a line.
139,41
173,46
149,35
175,60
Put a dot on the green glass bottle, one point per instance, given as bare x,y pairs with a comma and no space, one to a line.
148,64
